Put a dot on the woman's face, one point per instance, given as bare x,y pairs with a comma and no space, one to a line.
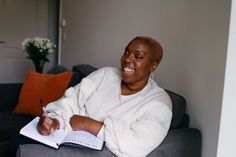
137,63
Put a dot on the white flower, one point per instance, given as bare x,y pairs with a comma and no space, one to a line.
48,45
38,48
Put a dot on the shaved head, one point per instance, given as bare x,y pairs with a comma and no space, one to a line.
154,46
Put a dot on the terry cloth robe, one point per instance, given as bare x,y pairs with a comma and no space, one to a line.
134,125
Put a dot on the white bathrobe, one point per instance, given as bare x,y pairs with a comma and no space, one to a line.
134,125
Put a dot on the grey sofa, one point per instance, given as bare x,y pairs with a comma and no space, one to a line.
181,140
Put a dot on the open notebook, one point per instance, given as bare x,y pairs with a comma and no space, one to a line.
61,137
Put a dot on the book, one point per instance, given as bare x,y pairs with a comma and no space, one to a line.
61,137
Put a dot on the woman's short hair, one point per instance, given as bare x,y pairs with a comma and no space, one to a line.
154,45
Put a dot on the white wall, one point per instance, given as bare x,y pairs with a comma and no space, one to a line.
200,77
194,37
103,28
226,147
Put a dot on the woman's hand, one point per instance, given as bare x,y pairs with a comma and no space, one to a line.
47,125
84,123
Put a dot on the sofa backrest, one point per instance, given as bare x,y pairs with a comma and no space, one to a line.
9,93
84,69
79,72
178,110
75,79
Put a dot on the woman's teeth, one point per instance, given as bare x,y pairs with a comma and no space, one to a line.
128,69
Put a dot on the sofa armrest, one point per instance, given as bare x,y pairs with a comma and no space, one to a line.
29,150
9,94
180,143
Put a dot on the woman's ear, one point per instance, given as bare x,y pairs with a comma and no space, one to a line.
154,66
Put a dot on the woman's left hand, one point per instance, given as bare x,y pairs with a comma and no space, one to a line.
79,123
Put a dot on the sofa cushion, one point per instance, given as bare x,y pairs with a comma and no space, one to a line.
75,79
56,69
48,87
11,123
84,69
9,93
179,143
178,109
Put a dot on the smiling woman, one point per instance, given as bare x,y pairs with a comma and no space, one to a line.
119,106
141,57
125,108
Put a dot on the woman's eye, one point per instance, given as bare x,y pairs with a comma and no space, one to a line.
138,57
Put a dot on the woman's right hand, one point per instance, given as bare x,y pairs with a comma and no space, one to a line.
47,125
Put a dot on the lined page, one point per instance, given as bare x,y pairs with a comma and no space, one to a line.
84,138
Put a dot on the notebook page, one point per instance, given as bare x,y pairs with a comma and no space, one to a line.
84,138
30,130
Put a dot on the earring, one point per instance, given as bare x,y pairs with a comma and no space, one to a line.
152,75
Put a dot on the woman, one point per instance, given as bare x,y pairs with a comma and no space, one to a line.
124,107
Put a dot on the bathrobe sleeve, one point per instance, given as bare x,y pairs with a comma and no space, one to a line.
74,100
140,137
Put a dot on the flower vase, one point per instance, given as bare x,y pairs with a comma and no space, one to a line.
39,65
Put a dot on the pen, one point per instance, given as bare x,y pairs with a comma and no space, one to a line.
44,111
42,105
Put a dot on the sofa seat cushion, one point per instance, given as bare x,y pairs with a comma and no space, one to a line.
180,143
11,123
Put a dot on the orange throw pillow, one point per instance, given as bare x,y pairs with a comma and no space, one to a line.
48,87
